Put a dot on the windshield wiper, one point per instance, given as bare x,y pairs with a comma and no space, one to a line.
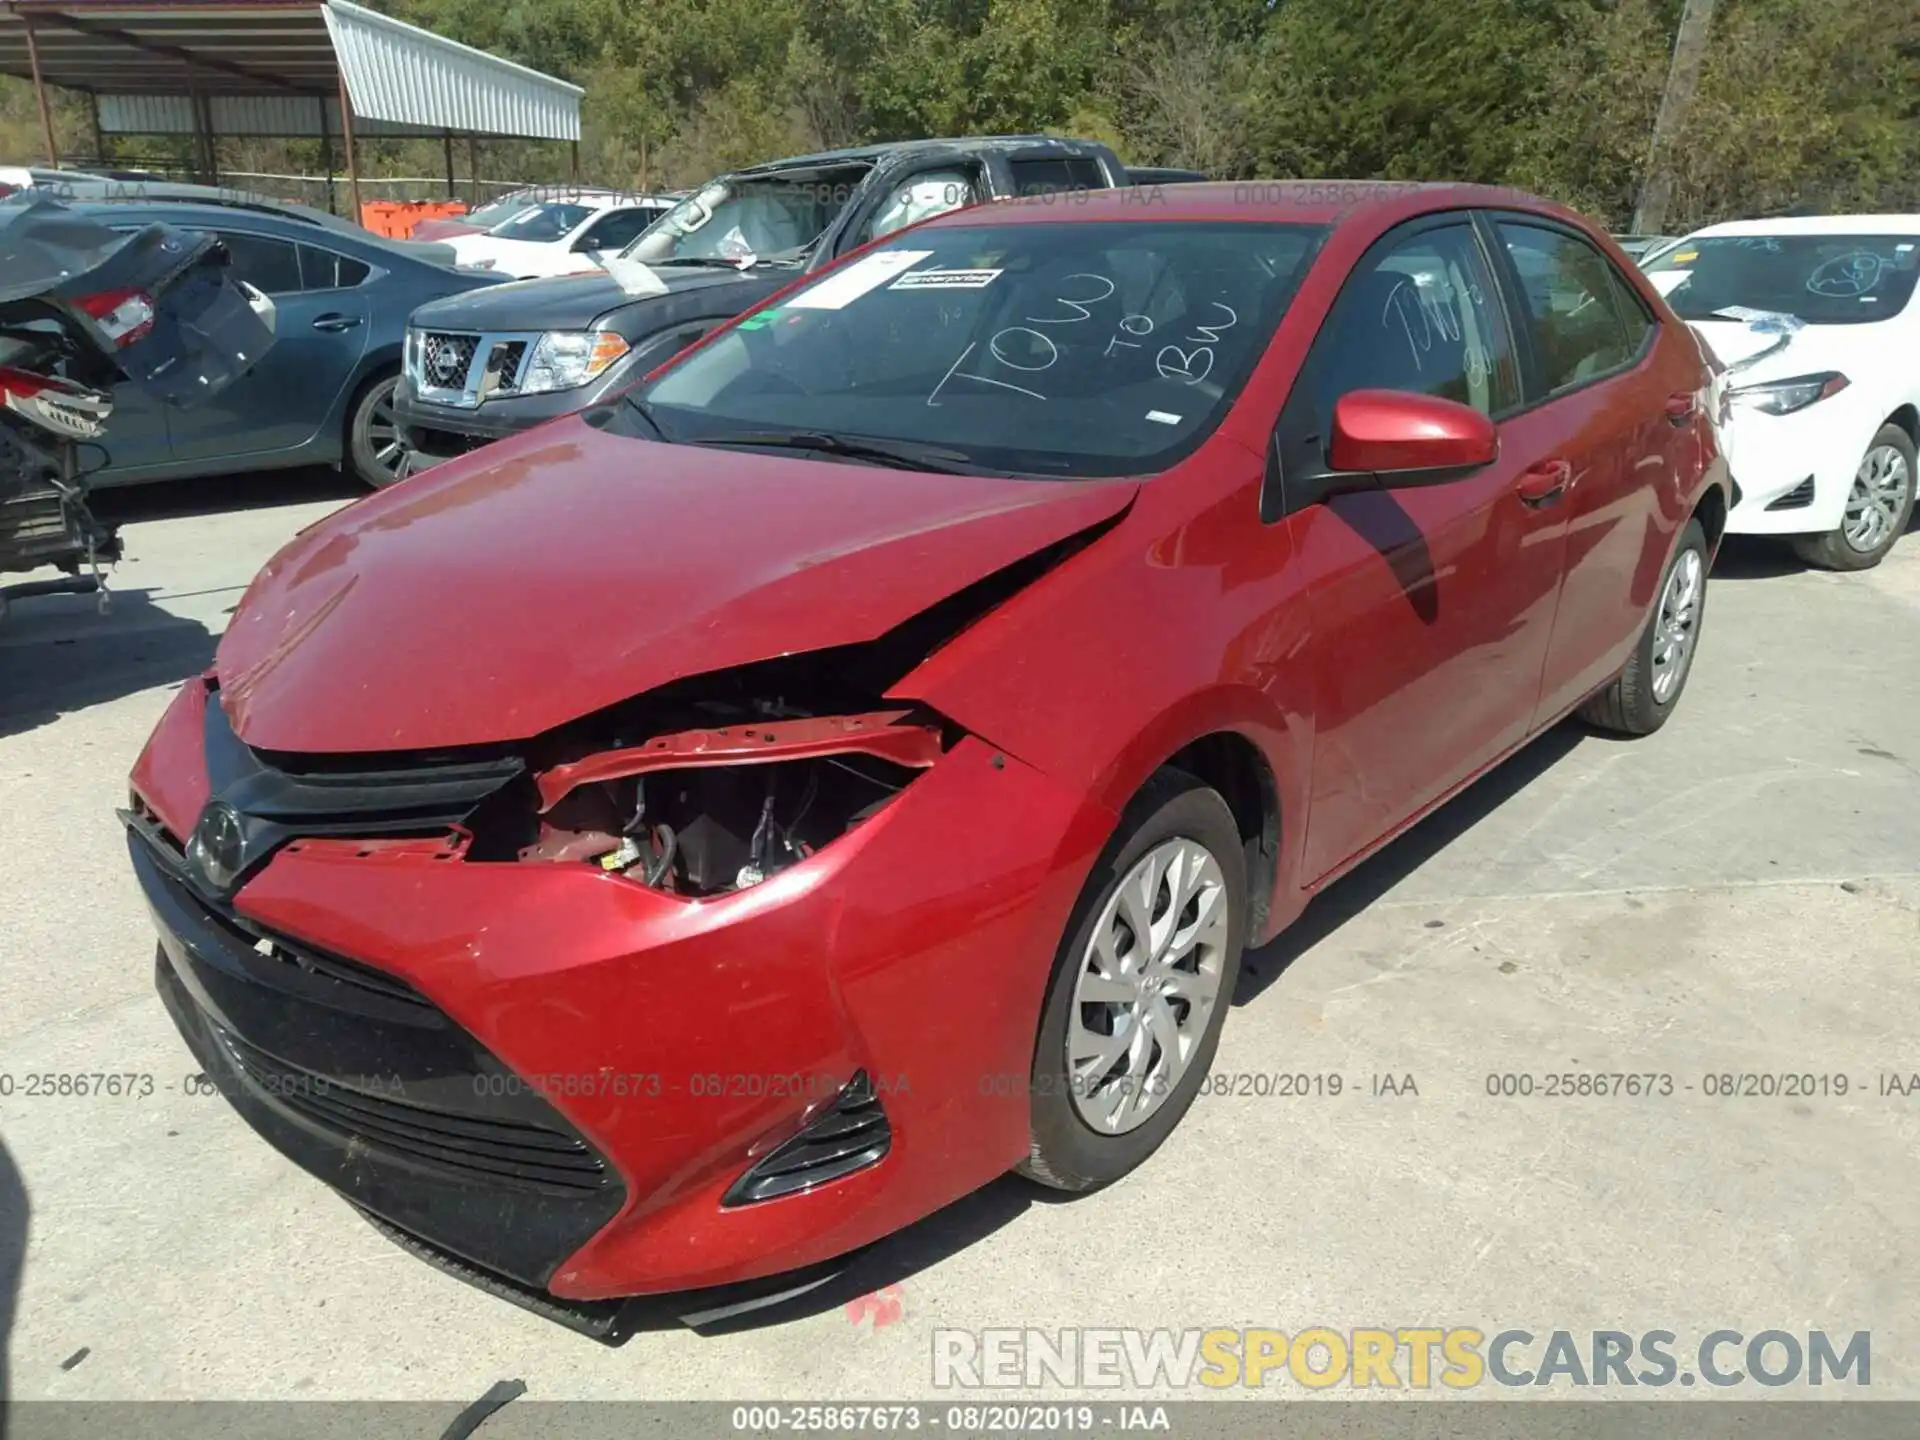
901,455
705,262
644,409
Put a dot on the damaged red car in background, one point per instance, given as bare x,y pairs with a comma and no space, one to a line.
696,838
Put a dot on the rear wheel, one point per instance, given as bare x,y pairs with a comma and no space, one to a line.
374,449
1643,695
1140,987
1879,505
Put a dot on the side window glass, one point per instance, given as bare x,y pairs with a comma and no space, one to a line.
269,265
920,197
326,270
1423,317
1575,308
616,231
1633,313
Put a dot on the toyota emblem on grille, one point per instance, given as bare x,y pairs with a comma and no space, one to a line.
218,849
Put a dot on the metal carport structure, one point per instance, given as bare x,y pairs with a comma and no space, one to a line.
321,69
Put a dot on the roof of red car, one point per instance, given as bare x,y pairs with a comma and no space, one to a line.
1311,202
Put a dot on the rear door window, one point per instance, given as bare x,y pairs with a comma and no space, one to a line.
264,263
328,270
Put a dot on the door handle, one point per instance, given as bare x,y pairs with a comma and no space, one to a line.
333,324
1544,483
1680,407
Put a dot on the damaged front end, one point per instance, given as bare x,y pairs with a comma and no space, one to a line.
704,811
547,942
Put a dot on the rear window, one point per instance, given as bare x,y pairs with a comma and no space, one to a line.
1051,175
1823,279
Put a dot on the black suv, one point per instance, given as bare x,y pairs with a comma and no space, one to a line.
498,361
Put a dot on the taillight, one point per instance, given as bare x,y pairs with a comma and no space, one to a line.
23,383
123,315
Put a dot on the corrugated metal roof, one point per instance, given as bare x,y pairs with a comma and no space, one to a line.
294,116
398,72
144,57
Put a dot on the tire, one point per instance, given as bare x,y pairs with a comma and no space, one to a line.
1174,815
1887,475
374,449
1641,697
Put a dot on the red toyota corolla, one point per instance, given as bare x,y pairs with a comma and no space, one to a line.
696,838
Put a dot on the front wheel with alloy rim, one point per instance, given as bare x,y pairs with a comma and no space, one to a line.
1879,505
1644,694
1140,987
374,449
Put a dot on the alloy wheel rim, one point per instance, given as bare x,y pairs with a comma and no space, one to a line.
1676,624
1148,982
1878,496
381,434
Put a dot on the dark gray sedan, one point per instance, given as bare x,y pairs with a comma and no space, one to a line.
324,393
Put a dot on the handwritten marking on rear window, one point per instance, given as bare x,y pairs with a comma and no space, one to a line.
1846,276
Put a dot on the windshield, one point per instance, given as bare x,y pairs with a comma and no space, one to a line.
1051,349
542,222
494,211
743,218
1823,279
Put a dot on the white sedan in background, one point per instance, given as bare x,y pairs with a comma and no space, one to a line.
1816,320
559,237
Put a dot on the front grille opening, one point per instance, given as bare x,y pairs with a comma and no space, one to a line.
509,1152
1797,498
503,368
850,1135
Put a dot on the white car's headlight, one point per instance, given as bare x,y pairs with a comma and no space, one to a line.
1783,397
475,265
562,359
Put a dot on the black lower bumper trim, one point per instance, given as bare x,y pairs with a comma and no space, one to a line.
607,1321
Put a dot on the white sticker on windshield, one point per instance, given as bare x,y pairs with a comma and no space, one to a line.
945,280
1668,281
1161,417
842,288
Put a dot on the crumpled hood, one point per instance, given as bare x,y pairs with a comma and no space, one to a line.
1810,350
547,576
